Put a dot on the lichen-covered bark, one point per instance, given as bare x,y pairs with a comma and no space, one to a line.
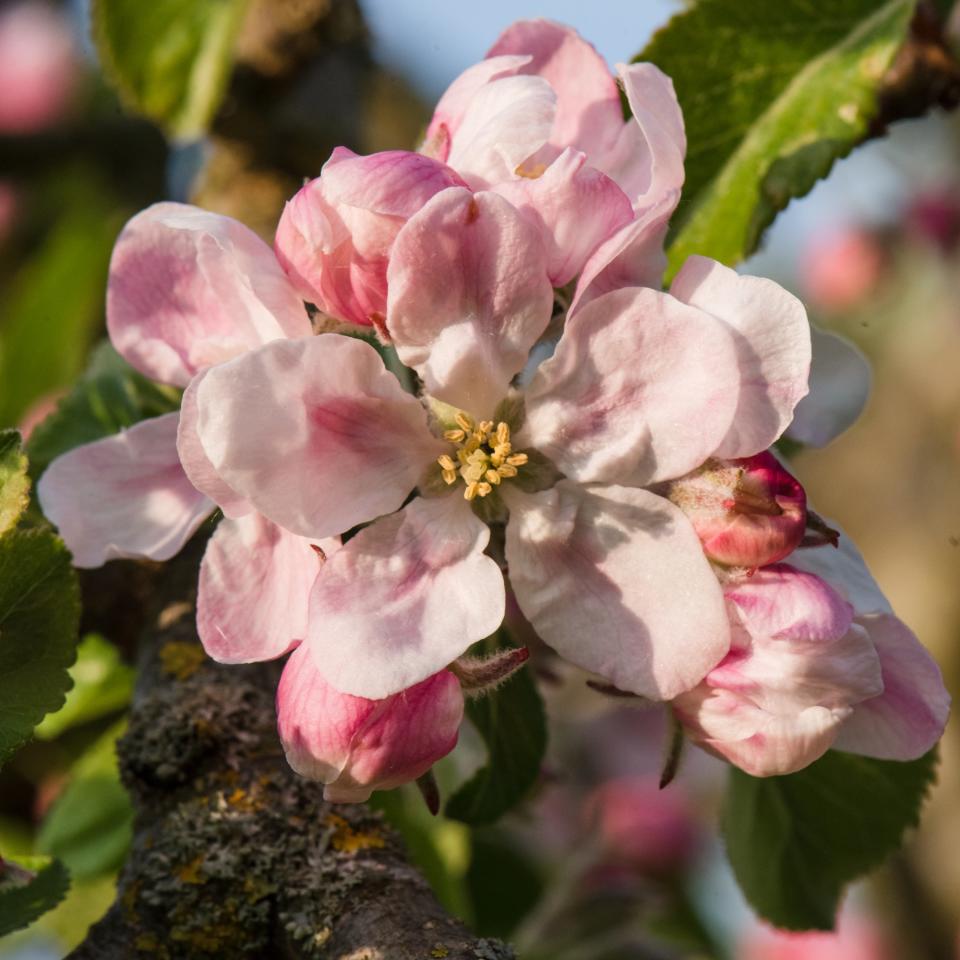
234,856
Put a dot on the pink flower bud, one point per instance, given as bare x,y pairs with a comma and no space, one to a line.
335,235
854,940
653,831
841,269
355,745
747,513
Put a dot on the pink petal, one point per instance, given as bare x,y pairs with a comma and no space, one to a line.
254,589
507,121
613,578
315,433
195,462
641,388
453,105
772,336
909,717
839,388
356,746
335,235
589,115
462,312
646,159
575,208
631,257
405,597
189,289
123,496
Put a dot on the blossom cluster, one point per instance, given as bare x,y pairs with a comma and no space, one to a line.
576,439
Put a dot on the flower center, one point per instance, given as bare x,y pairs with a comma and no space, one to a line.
483,458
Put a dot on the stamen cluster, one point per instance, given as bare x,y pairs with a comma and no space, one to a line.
484,454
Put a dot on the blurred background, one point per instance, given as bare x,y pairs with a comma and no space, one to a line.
600,863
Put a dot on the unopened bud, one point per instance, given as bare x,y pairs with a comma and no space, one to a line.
747,513
480,675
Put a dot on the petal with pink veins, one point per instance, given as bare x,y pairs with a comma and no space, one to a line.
254,589
646,159
613,578
506,122
123,496
575,208
641,388
189,289
405,597
355,745
195,462
589,115
462,311
772,336
909,717
315,433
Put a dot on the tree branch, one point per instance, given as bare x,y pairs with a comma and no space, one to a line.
233,854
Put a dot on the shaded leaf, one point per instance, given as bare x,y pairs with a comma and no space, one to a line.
169,59
14,482
39,612
512,722
28,889
111,395
102,684
796,841
772,95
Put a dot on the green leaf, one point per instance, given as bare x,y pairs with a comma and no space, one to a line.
102,684
110,396
795,842
29,889
169,59
772,94
512,722
90,825
14,482
39,612
49,315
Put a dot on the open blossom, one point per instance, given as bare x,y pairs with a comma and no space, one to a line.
539,122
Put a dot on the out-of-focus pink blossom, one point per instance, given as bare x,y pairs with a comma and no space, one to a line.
747,513
356,746
39,410
38,66
839,270
934,217
653,831
856,939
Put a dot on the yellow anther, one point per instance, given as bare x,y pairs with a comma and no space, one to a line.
503,433
517,459
483,456
507,470
492,477
484,428
471,491
464,422
449,476
446,463
483,489
454,436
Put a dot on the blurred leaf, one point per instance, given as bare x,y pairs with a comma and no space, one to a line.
772,94
169,59
54,306
512,722
89,825
111,395
39,612
14,482
796,841
504,885
24,898
102,684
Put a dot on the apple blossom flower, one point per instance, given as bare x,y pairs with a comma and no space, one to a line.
356,746
855,939
643,387
747,513
842,268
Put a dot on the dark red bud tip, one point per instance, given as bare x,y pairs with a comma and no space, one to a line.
319,551
379,323
427,785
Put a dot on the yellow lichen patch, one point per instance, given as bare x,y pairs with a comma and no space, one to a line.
180,659
484,456
347,840
190,872
241,800
439,951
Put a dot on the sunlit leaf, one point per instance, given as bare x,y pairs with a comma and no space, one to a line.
14,482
